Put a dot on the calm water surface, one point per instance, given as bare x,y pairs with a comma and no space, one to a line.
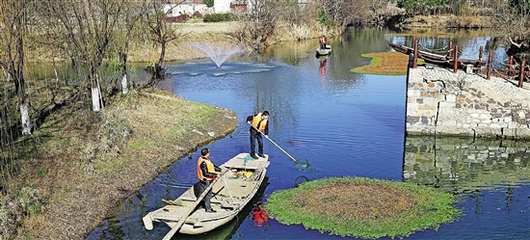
343,124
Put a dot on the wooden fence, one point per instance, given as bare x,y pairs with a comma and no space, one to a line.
511,71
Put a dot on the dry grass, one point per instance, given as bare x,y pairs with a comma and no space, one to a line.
385,63
355,201
445,21
83,168
362,207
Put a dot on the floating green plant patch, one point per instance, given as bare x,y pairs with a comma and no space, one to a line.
386,63
362,207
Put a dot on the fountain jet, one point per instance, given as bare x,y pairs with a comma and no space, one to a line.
218,54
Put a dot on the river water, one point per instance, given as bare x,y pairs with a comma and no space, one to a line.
343,124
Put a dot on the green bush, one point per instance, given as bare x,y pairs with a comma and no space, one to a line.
209,3
219,17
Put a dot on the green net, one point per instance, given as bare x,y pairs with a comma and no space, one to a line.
303,165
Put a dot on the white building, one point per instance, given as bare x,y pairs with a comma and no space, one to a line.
174,10
222,6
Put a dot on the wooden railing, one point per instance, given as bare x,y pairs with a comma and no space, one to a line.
512,71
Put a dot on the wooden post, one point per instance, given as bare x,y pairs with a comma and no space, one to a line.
455,63
415,63
450,49
510,66
490,59
480,52
521,74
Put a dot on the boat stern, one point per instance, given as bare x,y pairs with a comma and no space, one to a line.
148,222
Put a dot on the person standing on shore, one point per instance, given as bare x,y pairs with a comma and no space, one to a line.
258,126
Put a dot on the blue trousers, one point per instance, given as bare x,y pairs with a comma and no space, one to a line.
253,139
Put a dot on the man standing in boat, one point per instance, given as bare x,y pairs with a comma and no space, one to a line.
258,126
323,42
206,172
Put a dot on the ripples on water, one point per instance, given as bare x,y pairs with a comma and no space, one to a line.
344,124
209,68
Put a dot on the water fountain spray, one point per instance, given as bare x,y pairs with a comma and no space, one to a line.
218,54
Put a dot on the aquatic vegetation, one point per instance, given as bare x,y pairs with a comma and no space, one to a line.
386,63
362,207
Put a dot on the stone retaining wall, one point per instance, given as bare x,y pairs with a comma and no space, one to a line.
440,102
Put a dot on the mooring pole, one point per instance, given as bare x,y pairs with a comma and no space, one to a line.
480,51
450,49
521,74
455,63
415,44
510,66
490,59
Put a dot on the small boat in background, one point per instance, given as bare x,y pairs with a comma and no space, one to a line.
239,183
323,51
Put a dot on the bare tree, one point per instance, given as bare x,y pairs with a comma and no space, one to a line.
131,16
87,30
346,12
12,33
260,23
513,20
161,32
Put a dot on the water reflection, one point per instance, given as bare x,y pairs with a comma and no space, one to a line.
465,165
469,43
354,126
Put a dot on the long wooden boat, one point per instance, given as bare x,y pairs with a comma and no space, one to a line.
322,52
231,192
436,58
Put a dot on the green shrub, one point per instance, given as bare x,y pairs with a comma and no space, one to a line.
219,17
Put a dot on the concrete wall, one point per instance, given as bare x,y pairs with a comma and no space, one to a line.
440,102
221,6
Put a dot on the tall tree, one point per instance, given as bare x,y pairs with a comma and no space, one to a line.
513,19
161,33
88,28
346,12
13,17
131,16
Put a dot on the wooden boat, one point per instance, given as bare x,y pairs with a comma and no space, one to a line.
323,52
231,192
436,58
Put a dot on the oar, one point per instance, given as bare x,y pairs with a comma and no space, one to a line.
191,209
275,144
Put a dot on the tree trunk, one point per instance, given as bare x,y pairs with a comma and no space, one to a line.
124,85
95,99
124,81
25,119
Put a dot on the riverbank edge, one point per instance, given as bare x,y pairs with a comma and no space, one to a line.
119,192
80,194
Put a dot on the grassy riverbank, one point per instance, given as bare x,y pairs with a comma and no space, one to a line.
82,164
79,165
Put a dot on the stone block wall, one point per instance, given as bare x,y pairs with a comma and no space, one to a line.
440,102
